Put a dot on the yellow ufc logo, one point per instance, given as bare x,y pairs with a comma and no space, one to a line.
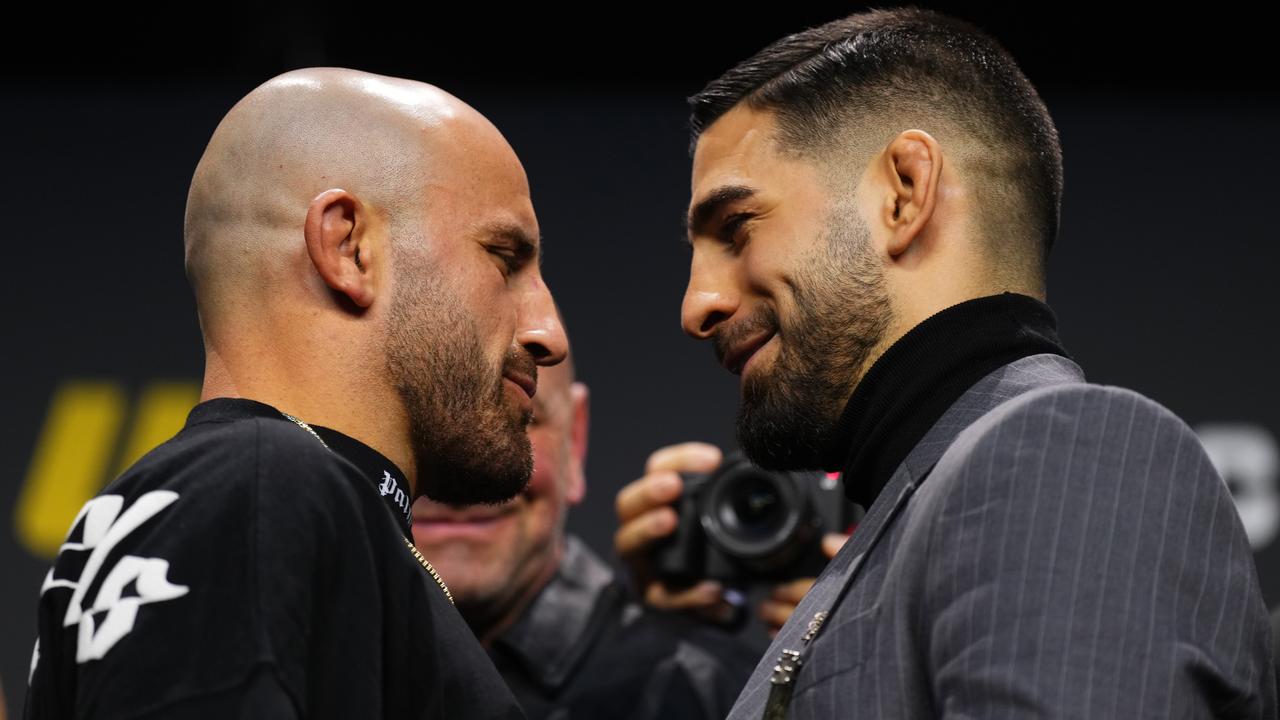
83,445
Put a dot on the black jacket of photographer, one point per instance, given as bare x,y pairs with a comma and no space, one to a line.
584,649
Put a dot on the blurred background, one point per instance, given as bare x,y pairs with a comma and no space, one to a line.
1163,278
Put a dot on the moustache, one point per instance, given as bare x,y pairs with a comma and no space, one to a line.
520,362
727,337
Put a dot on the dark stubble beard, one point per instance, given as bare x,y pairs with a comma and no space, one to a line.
468,443
789,412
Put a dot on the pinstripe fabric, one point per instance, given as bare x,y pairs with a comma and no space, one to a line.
1072,553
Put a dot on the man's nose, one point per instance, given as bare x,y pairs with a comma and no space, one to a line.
540,331
709,300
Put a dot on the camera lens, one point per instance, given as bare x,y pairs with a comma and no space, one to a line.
751,513
754,509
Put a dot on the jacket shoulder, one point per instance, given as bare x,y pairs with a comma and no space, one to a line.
1056,424
1081,401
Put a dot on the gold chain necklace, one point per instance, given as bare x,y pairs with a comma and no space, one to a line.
435,575
413,549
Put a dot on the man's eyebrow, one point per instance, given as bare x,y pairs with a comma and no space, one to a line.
525,245
711,204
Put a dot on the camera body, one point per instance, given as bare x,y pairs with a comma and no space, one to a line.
742,524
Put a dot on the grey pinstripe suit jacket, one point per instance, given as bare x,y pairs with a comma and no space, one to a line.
1071,553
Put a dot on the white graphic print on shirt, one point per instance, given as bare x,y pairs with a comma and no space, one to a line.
111,614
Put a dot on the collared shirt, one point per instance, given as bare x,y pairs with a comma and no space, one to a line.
247,569
584,649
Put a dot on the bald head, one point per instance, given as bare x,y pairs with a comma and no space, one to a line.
385,140
364,254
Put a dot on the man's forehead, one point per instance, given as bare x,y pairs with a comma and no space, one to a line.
482,171
477,209
734,151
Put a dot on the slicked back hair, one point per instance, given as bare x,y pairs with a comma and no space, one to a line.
853,84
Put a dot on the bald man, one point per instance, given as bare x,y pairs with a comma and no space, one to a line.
364,253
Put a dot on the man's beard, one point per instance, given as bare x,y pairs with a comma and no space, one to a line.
468,445
789,411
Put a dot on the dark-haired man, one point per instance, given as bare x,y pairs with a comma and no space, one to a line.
873,204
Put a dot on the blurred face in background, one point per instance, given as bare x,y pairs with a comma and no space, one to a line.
495,558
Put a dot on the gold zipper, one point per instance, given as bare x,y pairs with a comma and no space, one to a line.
412,548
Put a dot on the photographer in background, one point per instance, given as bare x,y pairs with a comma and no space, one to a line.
648,520
563,633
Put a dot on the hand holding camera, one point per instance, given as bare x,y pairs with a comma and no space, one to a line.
646,516
726,523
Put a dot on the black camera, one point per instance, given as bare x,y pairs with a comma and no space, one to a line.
742,524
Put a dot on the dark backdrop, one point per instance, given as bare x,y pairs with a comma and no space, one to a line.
1163,277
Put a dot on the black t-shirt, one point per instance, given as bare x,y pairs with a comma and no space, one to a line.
247,569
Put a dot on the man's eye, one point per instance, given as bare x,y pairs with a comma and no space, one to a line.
510,263
731,226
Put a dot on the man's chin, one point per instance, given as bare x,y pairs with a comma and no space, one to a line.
468,451
483,479
493,491
778,437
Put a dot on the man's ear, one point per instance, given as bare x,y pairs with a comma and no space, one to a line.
579,427
340,243
912,167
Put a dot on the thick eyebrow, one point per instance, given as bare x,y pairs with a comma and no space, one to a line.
711,204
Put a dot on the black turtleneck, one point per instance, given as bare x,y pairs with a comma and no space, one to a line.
913,383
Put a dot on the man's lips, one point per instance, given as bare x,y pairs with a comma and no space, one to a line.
739,354
526,383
